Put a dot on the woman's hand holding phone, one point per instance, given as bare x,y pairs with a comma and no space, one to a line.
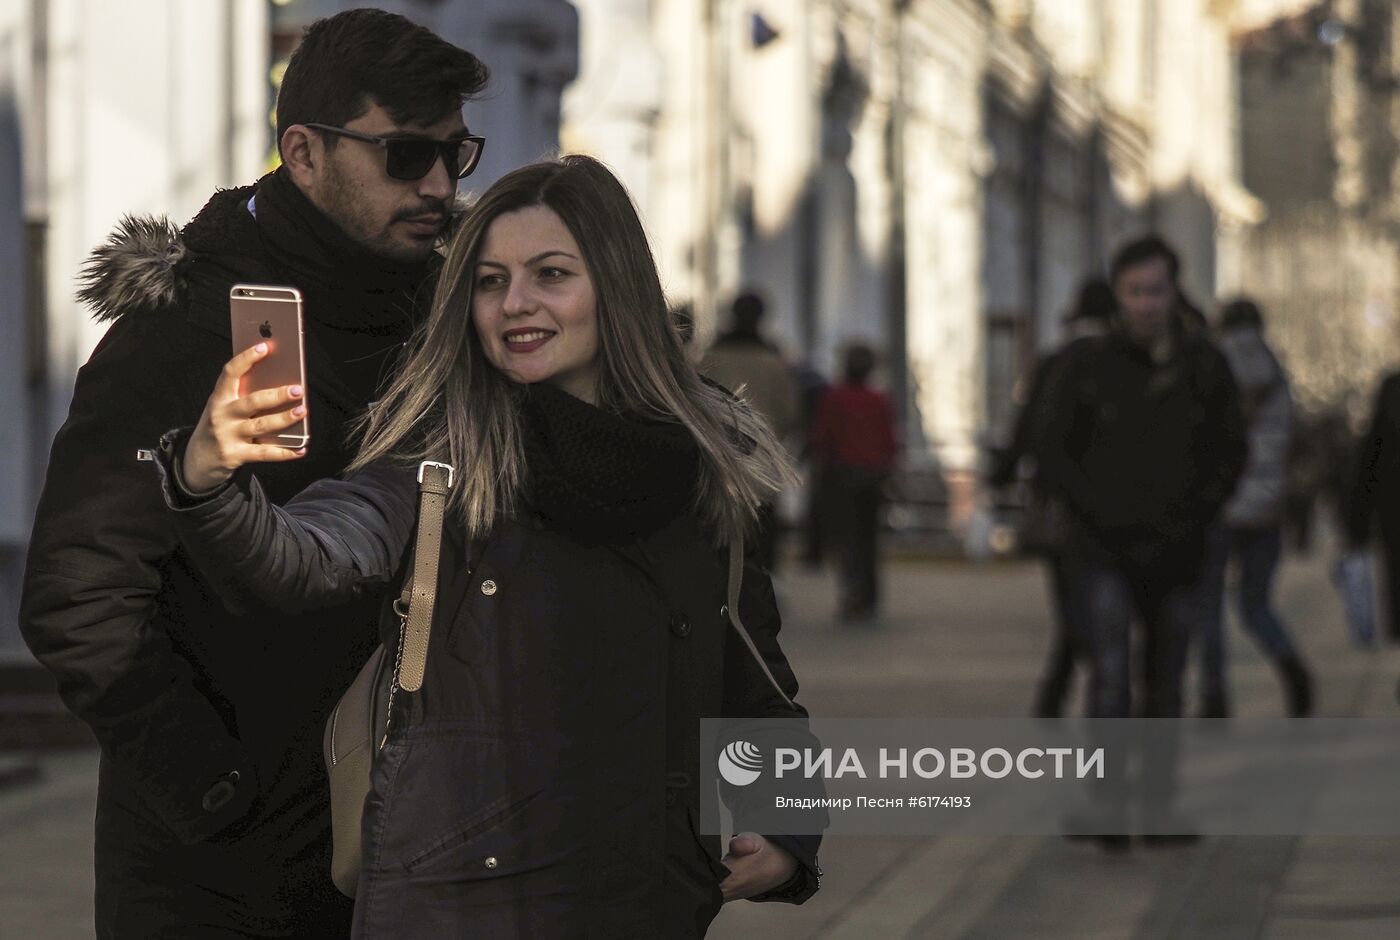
223,440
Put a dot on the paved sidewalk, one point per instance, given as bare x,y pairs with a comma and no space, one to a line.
960,641
968,641
46,862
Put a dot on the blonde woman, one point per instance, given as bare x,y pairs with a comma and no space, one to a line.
545,780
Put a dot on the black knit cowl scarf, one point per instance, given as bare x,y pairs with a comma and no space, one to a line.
604,478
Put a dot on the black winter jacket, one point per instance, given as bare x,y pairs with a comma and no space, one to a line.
1145,453
1033,420
545,780
1375,485
209,722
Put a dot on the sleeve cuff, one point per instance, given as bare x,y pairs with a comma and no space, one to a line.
805,881
170,456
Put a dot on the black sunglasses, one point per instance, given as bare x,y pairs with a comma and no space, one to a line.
410,158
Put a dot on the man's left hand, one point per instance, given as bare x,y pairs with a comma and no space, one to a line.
755,866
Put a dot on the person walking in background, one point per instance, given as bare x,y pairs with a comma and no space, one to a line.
743,359
1044,532
854,441
1145,440
1373,504
1250,529
811,389
213,815
1309,466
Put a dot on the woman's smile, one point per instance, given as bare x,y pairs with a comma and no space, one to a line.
526,340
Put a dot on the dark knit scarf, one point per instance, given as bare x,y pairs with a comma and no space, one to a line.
364,305
601,477
355,289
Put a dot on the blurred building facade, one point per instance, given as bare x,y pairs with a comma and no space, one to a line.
932,175
1319,124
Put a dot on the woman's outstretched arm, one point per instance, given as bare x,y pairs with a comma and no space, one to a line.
337,540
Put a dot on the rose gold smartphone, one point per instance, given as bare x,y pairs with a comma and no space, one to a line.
262,314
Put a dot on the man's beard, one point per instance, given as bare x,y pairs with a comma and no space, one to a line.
349,217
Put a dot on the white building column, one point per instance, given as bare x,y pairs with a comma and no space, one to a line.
531,47
152,105
776,143
944,147
16,431
611,110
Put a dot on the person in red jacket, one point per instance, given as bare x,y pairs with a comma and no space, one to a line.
853,438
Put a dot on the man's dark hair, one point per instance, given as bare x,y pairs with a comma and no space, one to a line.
1140,250
1096,301
1241,312
858,363
351,61
748,309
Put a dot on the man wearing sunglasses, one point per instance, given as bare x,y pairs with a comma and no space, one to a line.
212,813
354,185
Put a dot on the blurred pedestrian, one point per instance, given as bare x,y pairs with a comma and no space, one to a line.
811,389
744,360
1044,531
1340,447
855,442
1374,502
213,814
1310,462
1145,440
1250,529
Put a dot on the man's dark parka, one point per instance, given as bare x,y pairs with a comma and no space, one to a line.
212,805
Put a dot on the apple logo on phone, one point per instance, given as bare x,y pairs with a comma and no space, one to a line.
265,329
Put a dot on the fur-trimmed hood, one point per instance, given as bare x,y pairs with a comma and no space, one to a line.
135,267
146,261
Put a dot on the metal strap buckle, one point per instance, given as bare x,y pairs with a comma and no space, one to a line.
451,473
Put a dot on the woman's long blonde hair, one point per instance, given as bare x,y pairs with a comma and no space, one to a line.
448,402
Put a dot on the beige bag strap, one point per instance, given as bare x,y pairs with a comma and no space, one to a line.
419,596
736,580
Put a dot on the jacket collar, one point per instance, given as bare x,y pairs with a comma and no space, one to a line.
147,263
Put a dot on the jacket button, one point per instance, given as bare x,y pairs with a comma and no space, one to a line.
724,611
217,796
488,587
680,625
670,797
491,862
